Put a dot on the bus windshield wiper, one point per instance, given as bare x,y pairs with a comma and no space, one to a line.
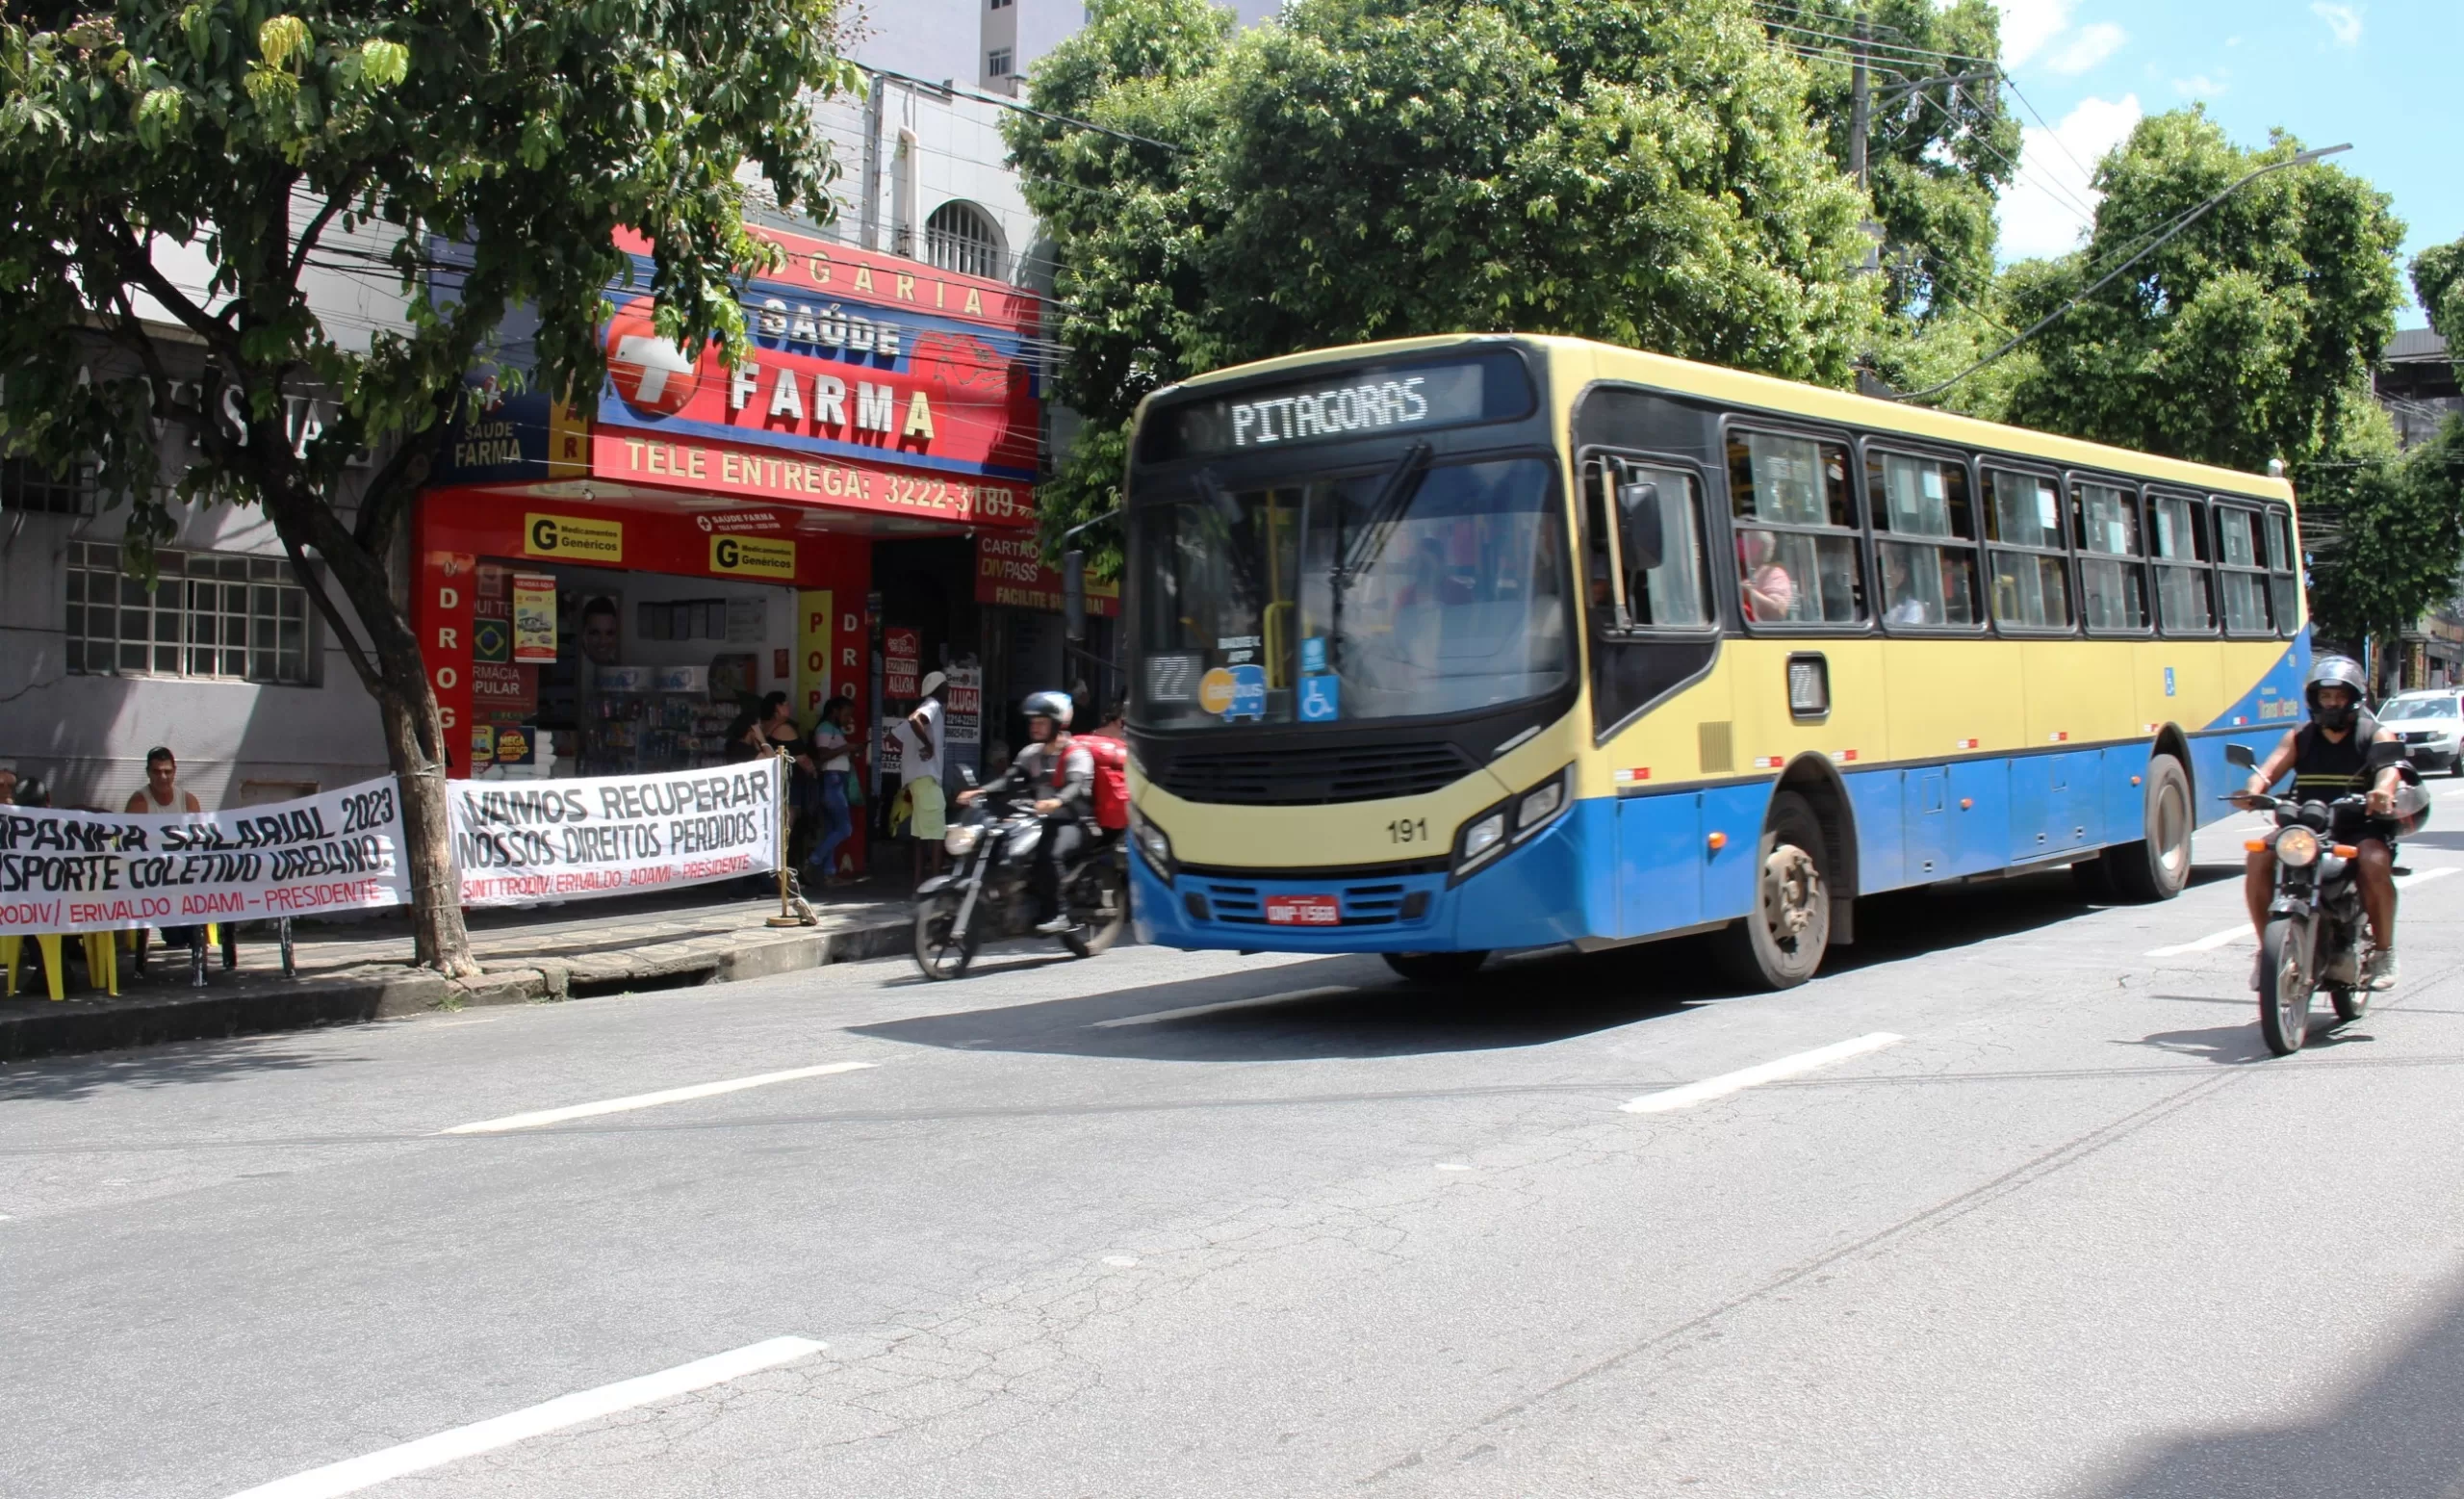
1394,496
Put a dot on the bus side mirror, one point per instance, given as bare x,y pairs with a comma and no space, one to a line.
1074,595
1639,504
2240,755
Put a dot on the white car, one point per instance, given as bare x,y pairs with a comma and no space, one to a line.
2430,723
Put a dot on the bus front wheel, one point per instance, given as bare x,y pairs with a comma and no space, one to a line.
1781,943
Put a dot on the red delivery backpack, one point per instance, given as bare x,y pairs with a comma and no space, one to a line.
1112,779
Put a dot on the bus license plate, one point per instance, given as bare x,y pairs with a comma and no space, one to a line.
1303,911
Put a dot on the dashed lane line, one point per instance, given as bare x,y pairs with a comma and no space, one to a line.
350,1476
2243,933
1670,1100
644,1100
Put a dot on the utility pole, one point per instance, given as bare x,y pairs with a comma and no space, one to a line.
1861,106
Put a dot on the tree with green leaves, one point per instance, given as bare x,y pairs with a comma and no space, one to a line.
1640,171
1942,142
494,148
2245,338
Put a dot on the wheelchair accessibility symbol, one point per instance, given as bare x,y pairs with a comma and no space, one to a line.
1321,698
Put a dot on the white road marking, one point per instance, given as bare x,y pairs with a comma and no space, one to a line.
351,1475
2243,933
644,1100
1452,1166
1669,1100
2208,944
1161,1015
1120,1261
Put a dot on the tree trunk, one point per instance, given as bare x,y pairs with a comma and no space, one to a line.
415,739
438,937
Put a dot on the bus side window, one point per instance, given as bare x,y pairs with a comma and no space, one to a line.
2183,603
1660,539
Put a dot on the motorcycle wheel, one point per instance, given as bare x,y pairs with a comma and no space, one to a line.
2352,1003
2284,985
1105,920
938,953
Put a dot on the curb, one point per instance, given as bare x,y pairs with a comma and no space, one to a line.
258,1004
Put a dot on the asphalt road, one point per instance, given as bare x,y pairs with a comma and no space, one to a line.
1175,1224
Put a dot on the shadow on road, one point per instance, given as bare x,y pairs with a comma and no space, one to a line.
2396,1436
165,1066
1353,1007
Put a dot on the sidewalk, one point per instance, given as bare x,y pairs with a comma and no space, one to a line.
353,972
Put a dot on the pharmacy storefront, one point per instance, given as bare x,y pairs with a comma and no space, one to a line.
606,597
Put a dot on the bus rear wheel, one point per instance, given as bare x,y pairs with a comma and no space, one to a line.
1781,943
1436,968
2157,866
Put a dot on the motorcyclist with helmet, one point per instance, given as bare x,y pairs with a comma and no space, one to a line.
2330,757
1060,776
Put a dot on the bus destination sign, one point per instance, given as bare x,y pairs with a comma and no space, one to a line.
1357,403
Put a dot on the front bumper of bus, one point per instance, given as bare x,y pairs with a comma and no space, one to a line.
1531,897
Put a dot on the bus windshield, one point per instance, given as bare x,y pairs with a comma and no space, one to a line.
1386,595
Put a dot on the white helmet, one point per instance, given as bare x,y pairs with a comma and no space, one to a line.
1055,705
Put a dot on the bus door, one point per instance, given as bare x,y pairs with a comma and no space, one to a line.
1653,629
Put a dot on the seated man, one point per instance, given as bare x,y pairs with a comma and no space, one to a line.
2329,756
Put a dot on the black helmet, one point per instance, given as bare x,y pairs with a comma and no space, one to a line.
1055,705
2335,671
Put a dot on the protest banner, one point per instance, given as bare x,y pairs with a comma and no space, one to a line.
83,872
613,835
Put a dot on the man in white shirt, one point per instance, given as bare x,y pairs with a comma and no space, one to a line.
919,763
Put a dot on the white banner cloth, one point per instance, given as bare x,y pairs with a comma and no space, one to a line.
84,871
517,844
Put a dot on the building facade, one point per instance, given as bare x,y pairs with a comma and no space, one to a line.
2417,383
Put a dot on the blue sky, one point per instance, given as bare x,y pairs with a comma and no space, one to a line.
2387,75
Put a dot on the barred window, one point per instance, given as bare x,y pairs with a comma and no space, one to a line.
27,485
959,236
231,618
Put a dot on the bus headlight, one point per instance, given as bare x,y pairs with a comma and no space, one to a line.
1539,806
2298,848
1494,829
1482,838
1152,842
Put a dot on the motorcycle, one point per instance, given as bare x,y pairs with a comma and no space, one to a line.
985,898
2315,923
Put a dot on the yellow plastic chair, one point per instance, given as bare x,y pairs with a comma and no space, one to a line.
102,961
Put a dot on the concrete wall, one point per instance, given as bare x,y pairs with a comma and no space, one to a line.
88,735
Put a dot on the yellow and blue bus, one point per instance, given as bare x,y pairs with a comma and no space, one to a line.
1446,646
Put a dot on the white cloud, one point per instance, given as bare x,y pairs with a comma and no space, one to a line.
2089,46
2041,212
2343,20
2027,25
2199,86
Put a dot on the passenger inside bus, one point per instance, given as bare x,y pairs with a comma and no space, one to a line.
1770,590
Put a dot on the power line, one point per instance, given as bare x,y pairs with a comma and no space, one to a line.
2304,159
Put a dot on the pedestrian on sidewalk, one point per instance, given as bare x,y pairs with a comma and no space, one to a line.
159,795
831,739
919,761
8,785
